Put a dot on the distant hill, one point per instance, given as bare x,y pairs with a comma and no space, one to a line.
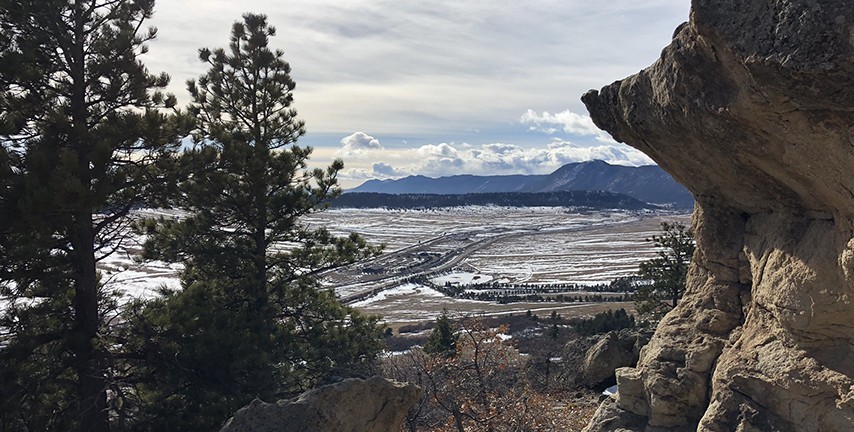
646,183
597,200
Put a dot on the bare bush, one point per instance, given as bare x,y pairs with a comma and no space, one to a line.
481,386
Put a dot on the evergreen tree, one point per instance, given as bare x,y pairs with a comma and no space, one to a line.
553,331
662,279
443,339
251,320
81,137
604,322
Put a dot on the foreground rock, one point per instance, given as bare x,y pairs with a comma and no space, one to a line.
352,405
614,350
752,108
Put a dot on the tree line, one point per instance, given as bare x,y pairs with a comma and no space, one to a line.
88,134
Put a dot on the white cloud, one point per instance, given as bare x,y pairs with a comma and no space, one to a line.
358,144
382,169
403,67
568,121
615,154
440,151
377,170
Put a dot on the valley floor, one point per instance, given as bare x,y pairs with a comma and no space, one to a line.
558,250
475,249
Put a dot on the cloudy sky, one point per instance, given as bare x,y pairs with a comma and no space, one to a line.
399,87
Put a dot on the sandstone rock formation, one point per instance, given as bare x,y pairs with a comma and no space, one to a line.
614,350
752,108
352,405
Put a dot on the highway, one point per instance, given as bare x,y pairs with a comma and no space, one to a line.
374,284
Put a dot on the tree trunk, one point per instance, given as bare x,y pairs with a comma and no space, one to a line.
88,358
261,154
91,412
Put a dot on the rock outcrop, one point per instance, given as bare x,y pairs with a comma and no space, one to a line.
614,350
352,405
752,108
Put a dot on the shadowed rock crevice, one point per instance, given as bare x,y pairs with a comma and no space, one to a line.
751,107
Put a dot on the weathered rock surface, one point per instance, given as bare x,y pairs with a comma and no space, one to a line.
352,405
752,108
614,350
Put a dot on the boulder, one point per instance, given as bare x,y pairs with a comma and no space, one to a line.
614,350
611,418
751,107
352,405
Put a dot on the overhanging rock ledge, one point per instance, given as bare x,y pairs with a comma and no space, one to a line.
752,108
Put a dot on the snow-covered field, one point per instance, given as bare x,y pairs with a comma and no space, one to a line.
460,246
401,228
532,245
464,246
134,280
597,255
124,273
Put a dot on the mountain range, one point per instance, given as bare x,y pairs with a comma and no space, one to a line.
597,200
647,183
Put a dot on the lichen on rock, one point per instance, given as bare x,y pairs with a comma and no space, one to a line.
752,108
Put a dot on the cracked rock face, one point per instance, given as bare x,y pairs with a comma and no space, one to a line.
352,405
752,108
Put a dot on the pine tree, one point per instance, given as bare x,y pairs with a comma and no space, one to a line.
662,279
443,339
251,320
554,331
81,138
